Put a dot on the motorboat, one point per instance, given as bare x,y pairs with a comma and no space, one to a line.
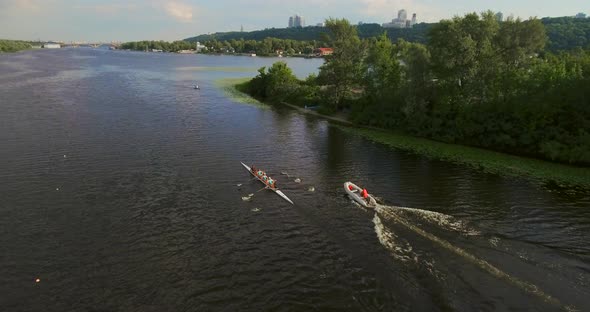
355,192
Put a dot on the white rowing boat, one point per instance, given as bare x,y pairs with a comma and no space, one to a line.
267,186
355,193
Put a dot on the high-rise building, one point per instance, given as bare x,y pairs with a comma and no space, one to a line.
299,21
499,17
296,21
402,15
401,21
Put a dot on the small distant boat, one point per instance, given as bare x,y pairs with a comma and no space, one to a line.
355,193
196,87
265,180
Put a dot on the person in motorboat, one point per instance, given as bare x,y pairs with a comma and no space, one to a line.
351,188
365,195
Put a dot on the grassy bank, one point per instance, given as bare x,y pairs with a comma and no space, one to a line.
485,160
14,45
481,159
232,87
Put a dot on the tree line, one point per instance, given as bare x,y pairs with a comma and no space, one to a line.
14,45
565,33
268,46
476,82
165,46
316,33
265,47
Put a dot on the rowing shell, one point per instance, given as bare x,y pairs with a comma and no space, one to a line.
274,190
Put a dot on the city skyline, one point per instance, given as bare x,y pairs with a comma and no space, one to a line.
111,20
296,21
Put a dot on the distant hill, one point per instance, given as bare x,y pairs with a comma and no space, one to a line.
565,33
416,34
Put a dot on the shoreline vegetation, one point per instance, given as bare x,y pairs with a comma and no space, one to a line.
563,176
477,89
564,33
11,46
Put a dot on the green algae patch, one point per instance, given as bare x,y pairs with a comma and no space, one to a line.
231,88
489,161
218,69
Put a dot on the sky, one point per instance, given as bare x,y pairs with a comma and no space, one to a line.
132,20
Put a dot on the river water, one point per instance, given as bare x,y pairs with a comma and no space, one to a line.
121,189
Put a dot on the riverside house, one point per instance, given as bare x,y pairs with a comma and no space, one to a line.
323,51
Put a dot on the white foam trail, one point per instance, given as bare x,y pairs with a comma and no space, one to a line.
390,213
389,240
403,251
442,220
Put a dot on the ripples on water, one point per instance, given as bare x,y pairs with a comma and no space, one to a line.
119,187
420,222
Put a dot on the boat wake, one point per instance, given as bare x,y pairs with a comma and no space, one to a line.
402,251
438,219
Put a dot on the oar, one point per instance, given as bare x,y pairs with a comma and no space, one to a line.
261,189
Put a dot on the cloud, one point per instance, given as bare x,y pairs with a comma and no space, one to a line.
30,5
108,9
180,11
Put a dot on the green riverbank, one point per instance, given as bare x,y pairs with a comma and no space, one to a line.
488,161
230,87
10,46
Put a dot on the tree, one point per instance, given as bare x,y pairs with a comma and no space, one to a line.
381,68
418,83
341,71
276,83
281,81
462,51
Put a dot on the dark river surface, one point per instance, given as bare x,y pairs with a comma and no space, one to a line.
121,189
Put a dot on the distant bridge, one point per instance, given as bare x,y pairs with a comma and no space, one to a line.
88,44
